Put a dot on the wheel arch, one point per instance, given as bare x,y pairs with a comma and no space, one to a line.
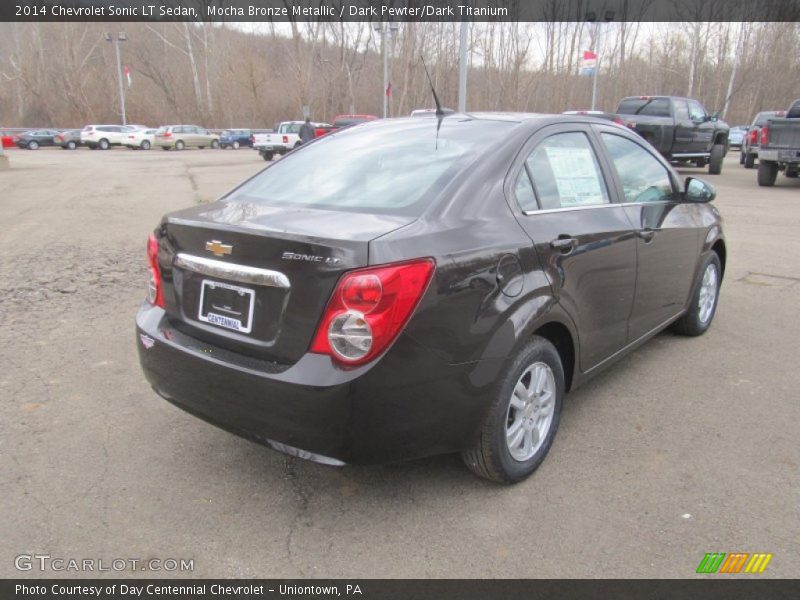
719,247
558,334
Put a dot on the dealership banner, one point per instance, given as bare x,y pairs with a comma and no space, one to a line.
400,589
398,10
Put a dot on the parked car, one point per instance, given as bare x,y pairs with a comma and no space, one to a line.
68,140
140,139
185,136
235,138
679,128
348,120
779,146
36,138
737,135
749,152
104,136
408,288
283,140
8,138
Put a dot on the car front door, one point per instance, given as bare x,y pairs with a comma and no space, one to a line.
668,232
703,127
582,237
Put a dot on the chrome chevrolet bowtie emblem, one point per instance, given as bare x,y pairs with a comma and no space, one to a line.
217,248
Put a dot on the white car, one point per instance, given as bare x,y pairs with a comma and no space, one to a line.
140,139
281,141
104,136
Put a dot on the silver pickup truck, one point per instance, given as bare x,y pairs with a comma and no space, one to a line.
779,148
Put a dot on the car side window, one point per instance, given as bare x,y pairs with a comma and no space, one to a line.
523,191
681,110
696,111
565,172
643,177
200,130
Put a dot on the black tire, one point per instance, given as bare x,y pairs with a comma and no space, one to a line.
179,145
104,145
33,145
691,323
145,145
71,145
741,158
235,145
715,160
767,173
749,160
214,144
268,155
490,457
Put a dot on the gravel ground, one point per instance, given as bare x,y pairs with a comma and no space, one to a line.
685,447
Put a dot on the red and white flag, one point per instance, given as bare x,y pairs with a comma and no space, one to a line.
128,75
589,63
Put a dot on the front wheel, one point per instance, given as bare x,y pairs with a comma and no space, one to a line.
236,145
523,419
767,173
33,145
179,145
703,307
71,145
715,160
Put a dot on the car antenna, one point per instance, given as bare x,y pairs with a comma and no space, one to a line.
439,111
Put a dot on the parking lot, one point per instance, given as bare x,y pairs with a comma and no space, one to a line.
687,446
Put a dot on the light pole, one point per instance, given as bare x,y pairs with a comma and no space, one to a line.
383,29
121,37
462,69
592,18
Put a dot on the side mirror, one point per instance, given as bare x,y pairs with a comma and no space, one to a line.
697,190
714,117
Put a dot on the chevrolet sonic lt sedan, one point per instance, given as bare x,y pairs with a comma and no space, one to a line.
409,287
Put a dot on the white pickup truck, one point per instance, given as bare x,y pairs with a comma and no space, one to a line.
284,139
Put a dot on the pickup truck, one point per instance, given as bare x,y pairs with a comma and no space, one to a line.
779,146
284,139
750,143
679,128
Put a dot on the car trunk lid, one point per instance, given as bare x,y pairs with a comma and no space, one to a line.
255,279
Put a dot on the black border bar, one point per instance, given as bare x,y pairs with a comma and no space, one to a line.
400,10
710,588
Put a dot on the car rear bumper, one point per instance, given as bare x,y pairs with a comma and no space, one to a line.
407,404
791,155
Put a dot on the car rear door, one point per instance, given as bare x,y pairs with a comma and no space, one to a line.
582,236
668,231
684,127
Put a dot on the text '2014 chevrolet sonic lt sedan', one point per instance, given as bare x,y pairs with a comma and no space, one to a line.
410,287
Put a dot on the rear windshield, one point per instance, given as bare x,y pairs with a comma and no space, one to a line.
652,107
386,167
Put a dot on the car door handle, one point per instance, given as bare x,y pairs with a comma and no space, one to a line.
646,234
563,244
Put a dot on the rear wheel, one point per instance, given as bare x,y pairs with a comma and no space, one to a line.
71,145
215,144
749,160
104,145
767,173
268,155
179,145
703,307
715,160
523,419
145,145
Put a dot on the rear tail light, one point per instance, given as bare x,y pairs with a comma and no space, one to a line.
369,309
764,135
753,136
155,292
286,139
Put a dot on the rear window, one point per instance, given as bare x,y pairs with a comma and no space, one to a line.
763,117
386,168
290,128
652,107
